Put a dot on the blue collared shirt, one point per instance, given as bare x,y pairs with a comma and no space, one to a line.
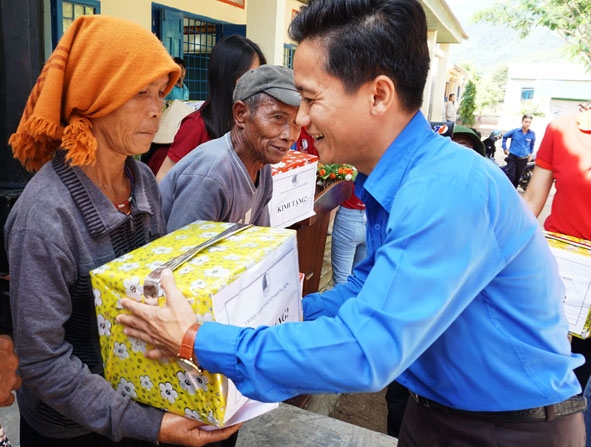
459,298
522,144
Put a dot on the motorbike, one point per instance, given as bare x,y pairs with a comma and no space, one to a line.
490,146
527,174
446,129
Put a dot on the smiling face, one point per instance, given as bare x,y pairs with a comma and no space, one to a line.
268,131
130,129
336,119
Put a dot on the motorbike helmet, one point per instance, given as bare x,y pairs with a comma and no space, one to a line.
496,134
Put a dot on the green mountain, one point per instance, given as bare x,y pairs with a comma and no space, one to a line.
490,46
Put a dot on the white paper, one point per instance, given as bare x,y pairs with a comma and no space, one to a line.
251,409
293,195
575,271
267,294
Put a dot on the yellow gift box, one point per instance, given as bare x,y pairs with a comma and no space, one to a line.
573,256
248,279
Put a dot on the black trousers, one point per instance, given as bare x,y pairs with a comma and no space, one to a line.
583,372
515,167
436,427
396,399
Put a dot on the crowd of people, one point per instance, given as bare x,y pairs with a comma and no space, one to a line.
452,299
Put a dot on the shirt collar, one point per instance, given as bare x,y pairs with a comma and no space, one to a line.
386,177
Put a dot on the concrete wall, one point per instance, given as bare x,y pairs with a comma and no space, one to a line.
140,11
267,23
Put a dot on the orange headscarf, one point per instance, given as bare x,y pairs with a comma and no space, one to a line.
99,64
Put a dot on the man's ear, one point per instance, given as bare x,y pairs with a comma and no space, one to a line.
240,111
383,94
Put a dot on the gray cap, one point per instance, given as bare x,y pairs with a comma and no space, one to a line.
274,80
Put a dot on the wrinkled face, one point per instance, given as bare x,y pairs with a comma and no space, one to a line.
271,130
130,129
335,118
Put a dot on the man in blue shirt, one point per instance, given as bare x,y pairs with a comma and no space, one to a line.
459,299
521,149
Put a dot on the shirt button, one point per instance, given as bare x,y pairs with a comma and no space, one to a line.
377,227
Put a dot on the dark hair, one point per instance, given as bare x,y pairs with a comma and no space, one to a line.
368,38
179,61
230,58
528,116
451,94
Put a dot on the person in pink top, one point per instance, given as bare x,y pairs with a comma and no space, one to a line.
564,160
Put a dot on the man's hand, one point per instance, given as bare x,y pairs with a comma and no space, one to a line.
9,380
162,327
179,430
506,151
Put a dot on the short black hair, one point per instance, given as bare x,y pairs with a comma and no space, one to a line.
528,116
179,61
368,38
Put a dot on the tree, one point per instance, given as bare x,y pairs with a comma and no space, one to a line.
468,104
569,19
491,89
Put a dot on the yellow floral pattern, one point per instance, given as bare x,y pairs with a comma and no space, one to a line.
165,384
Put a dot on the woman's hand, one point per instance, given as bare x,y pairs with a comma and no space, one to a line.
162,327
179,430
9,380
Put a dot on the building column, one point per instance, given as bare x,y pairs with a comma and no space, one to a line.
439,85
427,92
265,23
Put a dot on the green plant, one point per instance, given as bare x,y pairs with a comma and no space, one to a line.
468,104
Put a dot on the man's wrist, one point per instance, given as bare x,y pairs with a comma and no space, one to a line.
187,353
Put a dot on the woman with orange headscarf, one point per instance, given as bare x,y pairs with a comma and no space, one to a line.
96,105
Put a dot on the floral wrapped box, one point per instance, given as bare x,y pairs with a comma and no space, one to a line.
294,186
573,256
247,279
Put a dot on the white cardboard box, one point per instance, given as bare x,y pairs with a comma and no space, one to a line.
294,187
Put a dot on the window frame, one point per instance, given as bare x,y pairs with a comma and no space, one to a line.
57,21
527,93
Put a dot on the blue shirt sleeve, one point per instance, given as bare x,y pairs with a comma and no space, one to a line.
328,303
367,333
504,140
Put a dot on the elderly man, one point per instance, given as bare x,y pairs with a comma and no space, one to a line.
459,298
229,179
